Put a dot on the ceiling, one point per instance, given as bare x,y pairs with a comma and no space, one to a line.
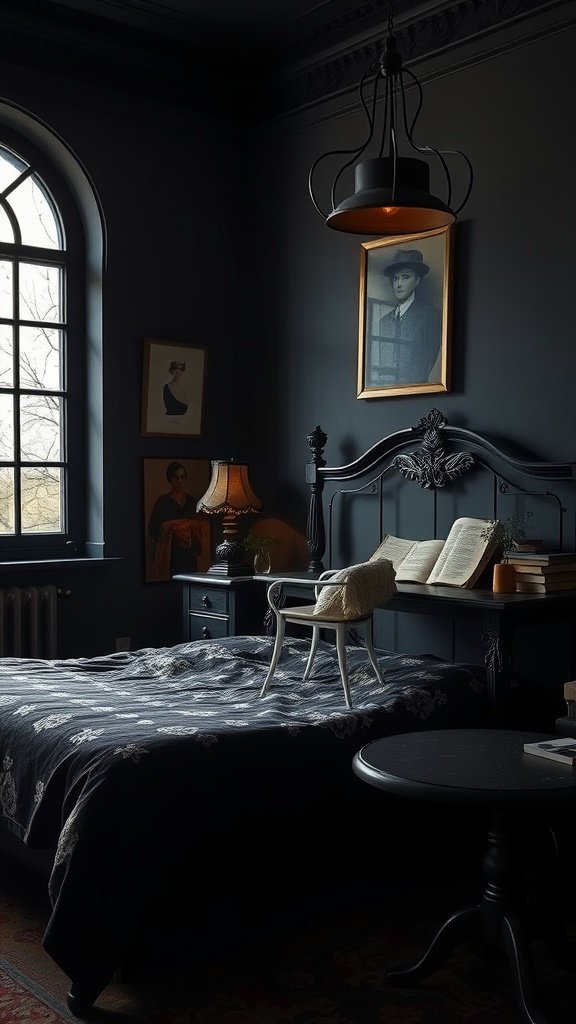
240,27
218,53
249,60
250,23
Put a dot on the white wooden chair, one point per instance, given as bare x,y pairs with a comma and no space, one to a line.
345,599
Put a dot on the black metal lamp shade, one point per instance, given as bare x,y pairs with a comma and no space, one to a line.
391,197
391,192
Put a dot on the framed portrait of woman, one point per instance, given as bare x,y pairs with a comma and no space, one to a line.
177,538
173,379
405,311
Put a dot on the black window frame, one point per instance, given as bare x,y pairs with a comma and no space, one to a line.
72,540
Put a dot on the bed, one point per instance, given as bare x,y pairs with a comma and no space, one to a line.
128,766
129,763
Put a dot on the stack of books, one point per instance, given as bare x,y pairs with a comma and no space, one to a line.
541,572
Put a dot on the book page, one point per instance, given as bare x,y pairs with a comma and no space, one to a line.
413,560
465,553
394,548
419,562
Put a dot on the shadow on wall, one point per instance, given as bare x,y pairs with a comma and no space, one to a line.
291,552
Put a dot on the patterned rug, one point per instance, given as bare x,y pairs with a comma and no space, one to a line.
322,963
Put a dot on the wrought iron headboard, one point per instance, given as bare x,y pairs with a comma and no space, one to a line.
444,453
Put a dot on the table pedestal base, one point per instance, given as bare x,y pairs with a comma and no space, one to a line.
503,921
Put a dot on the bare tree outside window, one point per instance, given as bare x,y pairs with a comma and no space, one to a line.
32,351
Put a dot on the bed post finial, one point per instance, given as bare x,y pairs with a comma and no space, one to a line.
315,532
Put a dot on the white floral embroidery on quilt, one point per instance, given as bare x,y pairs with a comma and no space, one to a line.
67,840
85,735
132,751
7,789
51,722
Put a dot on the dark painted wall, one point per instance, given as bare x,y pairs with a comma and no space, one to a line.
273,293
513,355
172,272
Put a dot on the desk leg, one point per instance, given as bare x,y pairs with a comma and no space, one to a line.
498,662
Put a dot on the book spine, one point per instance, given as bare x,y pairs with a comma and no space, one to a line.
544,588
534,567
545,579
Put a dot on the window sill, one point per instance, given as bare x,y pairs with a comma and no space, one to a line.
49,563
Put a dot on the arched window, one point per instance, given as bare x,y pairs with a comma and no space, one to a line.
42,357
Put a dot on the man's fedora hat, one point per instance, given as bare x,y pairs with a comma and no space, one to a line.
407,258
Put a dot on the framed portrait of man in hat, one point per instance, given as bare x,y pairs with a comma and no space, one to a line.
404,322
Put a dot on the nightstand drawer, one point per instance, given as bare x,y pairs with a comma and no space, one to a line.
207,627
215,607
208,599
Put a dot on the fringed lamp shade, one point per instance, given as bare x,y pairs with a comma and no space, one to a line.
229,494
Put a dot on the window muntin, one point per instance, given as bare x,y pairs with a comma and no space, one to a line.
33,348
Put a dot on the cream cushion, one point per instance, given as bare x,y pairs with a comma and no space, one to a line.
365,586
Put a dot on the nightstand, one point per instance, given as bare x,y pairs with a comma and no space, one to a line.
216,606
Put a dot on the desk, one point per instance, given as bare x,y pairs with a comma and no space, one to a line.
498,614
481,768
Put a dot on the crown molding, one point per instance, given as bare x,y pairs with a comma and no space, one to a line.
436,35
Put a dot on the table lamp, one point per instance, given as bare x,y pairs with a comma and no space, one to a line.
230,494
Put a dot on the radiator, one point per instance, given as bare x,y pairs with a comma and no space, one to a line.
28,622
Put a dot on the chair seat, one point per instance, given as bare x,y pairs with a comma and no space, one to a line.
306,612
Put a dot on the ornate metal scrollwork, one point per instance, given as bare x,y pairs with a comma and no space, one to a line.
429,465
497,658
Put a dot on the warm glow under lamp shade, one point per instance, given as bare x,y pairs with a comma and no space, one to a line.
229,491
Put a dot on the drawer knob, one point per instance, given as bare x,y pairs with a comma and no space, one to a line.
205,601
205,633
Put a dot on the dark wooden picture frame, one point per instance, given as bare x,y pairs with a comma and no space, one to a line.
405,315
177,539
173,385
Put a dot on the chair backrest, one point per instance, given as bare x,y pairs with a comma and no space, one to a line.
363,587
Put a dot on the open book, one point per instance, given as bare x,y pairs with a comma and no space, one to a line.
457,561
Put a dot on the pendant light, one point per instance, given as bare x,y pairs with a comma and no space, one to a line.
391,192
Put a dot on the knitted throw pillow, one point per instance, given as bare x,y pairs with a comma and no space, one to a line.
366,585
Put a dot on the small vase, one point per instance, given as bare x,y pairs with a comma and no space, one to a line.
504,578
262,564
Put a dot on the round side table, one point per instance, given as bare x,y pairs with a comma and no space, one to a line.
486,768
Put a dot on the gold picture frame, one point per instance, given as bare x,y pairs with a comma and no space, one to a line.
404,336
173,385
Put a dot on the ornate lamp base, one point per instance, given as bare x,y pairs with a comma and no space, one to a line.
230,555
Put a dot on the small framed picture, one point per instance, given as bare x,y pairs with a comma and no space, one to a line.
173,382
405,309
177,538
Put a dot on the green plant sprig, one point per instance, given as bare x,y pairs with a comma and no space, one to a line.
259,542
506,531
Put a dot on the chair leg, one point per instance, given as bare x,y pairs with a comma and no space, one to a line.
280,629
313,649
341,649
372,653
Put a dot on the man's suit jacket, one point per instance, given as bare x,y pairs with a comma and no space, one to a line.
418,336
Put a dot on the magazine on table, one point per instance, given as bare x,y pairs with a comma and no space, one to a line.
563,749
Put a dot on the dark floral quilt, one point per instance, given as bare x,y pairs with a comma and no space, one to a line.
125,763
